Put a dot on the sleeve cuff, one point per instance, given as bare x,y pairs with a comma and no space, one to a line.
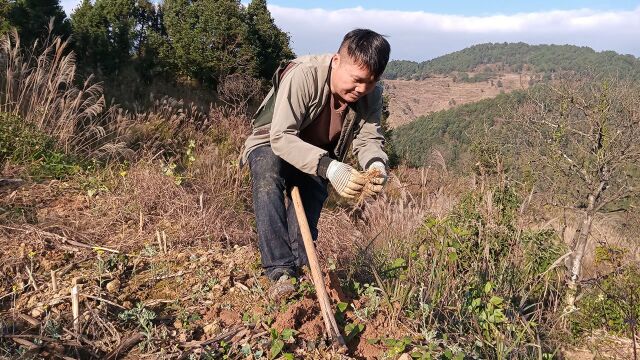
371,161
323,165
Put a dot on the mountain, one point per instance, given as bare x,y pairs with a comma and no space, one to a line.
516,57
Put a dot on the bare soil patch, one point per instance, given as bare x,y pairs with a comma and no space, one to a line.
409,99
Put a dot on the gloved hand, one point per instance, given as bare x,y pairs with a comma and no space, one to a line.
347,181
377,182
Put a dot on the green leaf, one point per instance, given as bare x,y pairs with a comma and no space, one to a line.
352,330
276,348
287,334
246,350
287,356
246,317
373,341
487,287
453,256
342,306
398,263
389,342
496,300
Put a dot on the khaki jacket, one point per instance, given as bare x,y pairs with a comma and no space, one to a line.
301,94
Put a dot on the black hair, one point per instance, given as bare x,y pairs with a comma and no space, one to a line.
367,47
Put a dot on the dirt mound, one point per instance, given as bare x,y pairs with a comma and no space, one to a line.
363,348
303,316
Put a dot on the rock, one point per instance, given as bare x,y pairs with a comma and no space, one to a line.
229,317
113,286
242,286
211,329
405,356
32,301
37,313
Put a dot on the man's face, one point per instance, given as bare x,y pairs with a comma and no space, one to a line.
349,80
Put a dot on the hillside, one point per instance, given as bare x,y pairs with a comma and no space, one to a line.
450,131
410,99
516,57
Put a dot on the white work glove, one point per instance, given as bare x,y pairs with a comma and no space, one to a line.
377,183
347,181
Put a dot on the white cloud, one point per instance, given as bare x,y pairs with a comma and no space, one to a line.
421,35
418,35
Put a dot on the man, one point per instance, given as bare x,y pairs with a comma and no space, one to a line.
318,107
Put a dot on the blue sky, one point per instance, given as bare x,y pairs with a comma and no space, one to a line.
468,7
422,30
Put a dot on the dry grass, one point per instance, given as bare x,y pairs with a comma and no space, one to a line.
40,88
387,223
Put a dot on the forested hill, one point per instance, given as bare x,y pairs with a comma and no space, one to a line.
450,131
515,56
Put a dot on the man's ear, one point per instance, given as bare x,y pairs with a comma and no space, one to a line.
335,61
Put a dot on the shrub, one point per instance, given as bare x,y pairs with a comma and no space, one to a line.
22,144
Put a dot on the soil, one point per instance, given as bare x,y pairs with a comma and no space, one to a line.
334,289
409,99
366,350
303,316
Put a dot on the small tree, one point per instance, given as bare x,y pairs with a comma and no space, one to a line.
579,139
5,8
33,19
205,40
108,33
270,44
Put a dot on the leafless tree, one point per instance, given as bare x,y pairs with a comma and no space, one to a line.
579,141
238,91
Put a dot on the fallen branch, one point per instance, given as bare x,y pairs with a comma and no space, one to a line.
23,342
224,336
104,301
124,347
63,239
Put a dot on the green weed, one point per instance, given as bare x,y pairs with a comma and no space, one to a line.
22,144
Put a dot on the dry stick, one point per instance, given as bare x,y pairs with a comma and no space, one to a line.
159,239
54,283
140,223
66,240
316,272
124,347
164,242
75,307
97,298
31,279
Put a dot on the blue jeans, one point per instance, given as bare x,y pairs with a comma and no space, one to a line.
279,238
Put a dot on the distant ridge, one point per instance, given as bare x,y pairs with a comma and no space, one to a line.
516,56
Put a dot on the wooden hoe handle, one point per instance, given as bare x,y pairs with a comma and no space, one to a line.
316,272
